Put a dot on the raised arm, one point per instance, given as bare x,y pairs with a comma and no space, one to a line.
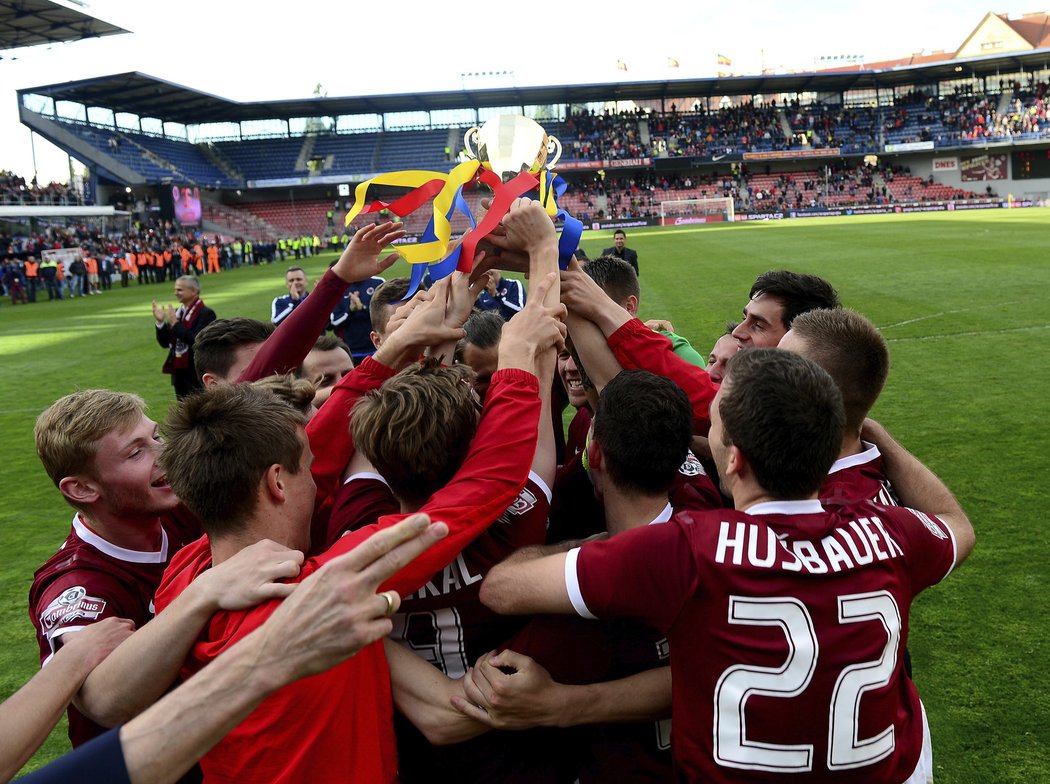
286,348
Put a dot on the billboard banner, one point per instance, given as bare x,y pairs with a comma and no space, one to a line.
945,164
829,152
978,168
908,146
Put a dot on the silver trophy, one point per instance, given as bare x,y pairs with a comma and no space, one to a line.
510,144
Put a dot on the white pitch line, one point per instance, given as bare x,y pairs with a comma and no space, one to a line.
969,334
950,313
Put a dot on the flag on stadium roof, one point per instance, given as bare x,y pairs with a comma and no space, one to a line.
723,60
621,65
672,63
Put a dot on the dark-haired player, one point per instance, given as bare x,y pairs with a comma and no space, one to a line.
775,299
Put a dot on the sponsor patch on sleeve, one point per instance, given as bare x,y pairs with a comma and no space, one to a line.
525,502
692,466
931,526
73,604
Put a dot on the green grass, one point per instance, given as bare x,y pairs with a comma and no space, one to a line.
960,297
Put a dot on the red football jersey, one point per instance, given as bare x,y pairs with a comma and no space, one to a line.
639,348
90,579
789,623
859,477
337,725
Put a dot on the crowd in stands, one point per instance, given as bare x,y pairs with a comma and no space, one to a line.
14,190
595,136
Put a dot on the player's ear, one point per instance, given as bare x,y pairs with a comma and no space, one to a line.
736,462
210,380
632,305
273,483
79,490
376,340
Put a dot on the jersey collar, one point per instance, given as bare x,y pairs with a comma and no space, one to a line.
808,506
851,461
664,516
121,554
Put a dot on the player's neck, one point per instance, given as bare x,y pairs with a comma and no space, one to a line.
625,511
226,545
139,533
851,445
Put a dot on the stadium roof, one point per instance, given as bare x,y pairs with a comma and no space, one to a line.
148,96
33,22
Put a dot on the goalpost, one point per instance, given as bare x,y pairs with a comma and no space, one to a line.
678,212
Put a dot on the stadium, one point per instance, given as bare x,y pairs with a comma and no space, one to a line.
918,187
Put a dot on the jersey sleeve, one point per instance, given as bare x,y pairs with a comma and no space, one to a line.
927,541
289,344
637,347
646,573
489,480
77,599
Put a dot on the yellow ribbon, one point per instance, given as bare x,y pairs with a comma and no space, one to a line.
425,252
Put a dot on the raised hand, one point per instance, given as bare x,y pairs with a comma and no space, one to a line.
360,260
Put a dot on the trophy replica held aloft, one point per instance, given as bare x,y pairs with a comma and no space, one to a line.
511,144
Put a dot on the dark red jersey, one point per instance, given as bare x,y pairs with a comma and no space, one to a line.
786,626
90,579
859,477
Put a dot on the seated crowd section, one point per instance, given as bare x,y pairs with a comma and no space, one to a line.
713,140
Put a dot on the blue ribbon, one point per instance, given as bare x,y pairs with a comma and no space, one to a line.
447,265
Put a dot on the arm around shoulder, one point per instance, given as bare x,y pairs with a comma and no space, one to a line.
919,488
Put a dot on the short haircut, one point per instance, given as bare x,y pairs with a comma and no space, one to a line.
620,231
326,342
190,281
416,429
296,268
215,348
68,432
854,353
615,276
483,329
730,327
389,293
296,392
644,425
785,414
220,443
798,292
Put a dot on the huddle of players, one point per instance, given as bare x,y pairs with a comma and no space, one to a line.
770,622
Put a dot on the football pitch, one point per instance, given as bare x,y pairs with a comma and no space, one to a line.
961,298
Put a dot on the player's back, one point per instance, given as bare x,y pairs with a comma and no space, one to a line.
799,623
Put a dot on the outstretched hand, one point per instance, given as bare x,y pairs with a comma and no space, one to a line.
360,260
336,611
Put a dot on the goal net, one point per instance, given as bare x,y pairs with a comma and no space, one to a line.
685,211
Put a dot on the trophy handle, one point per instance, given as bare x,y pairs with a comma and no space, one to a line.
471,135
553,146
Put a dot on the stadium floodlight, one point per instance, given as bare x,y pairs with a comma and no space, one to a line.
679,212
